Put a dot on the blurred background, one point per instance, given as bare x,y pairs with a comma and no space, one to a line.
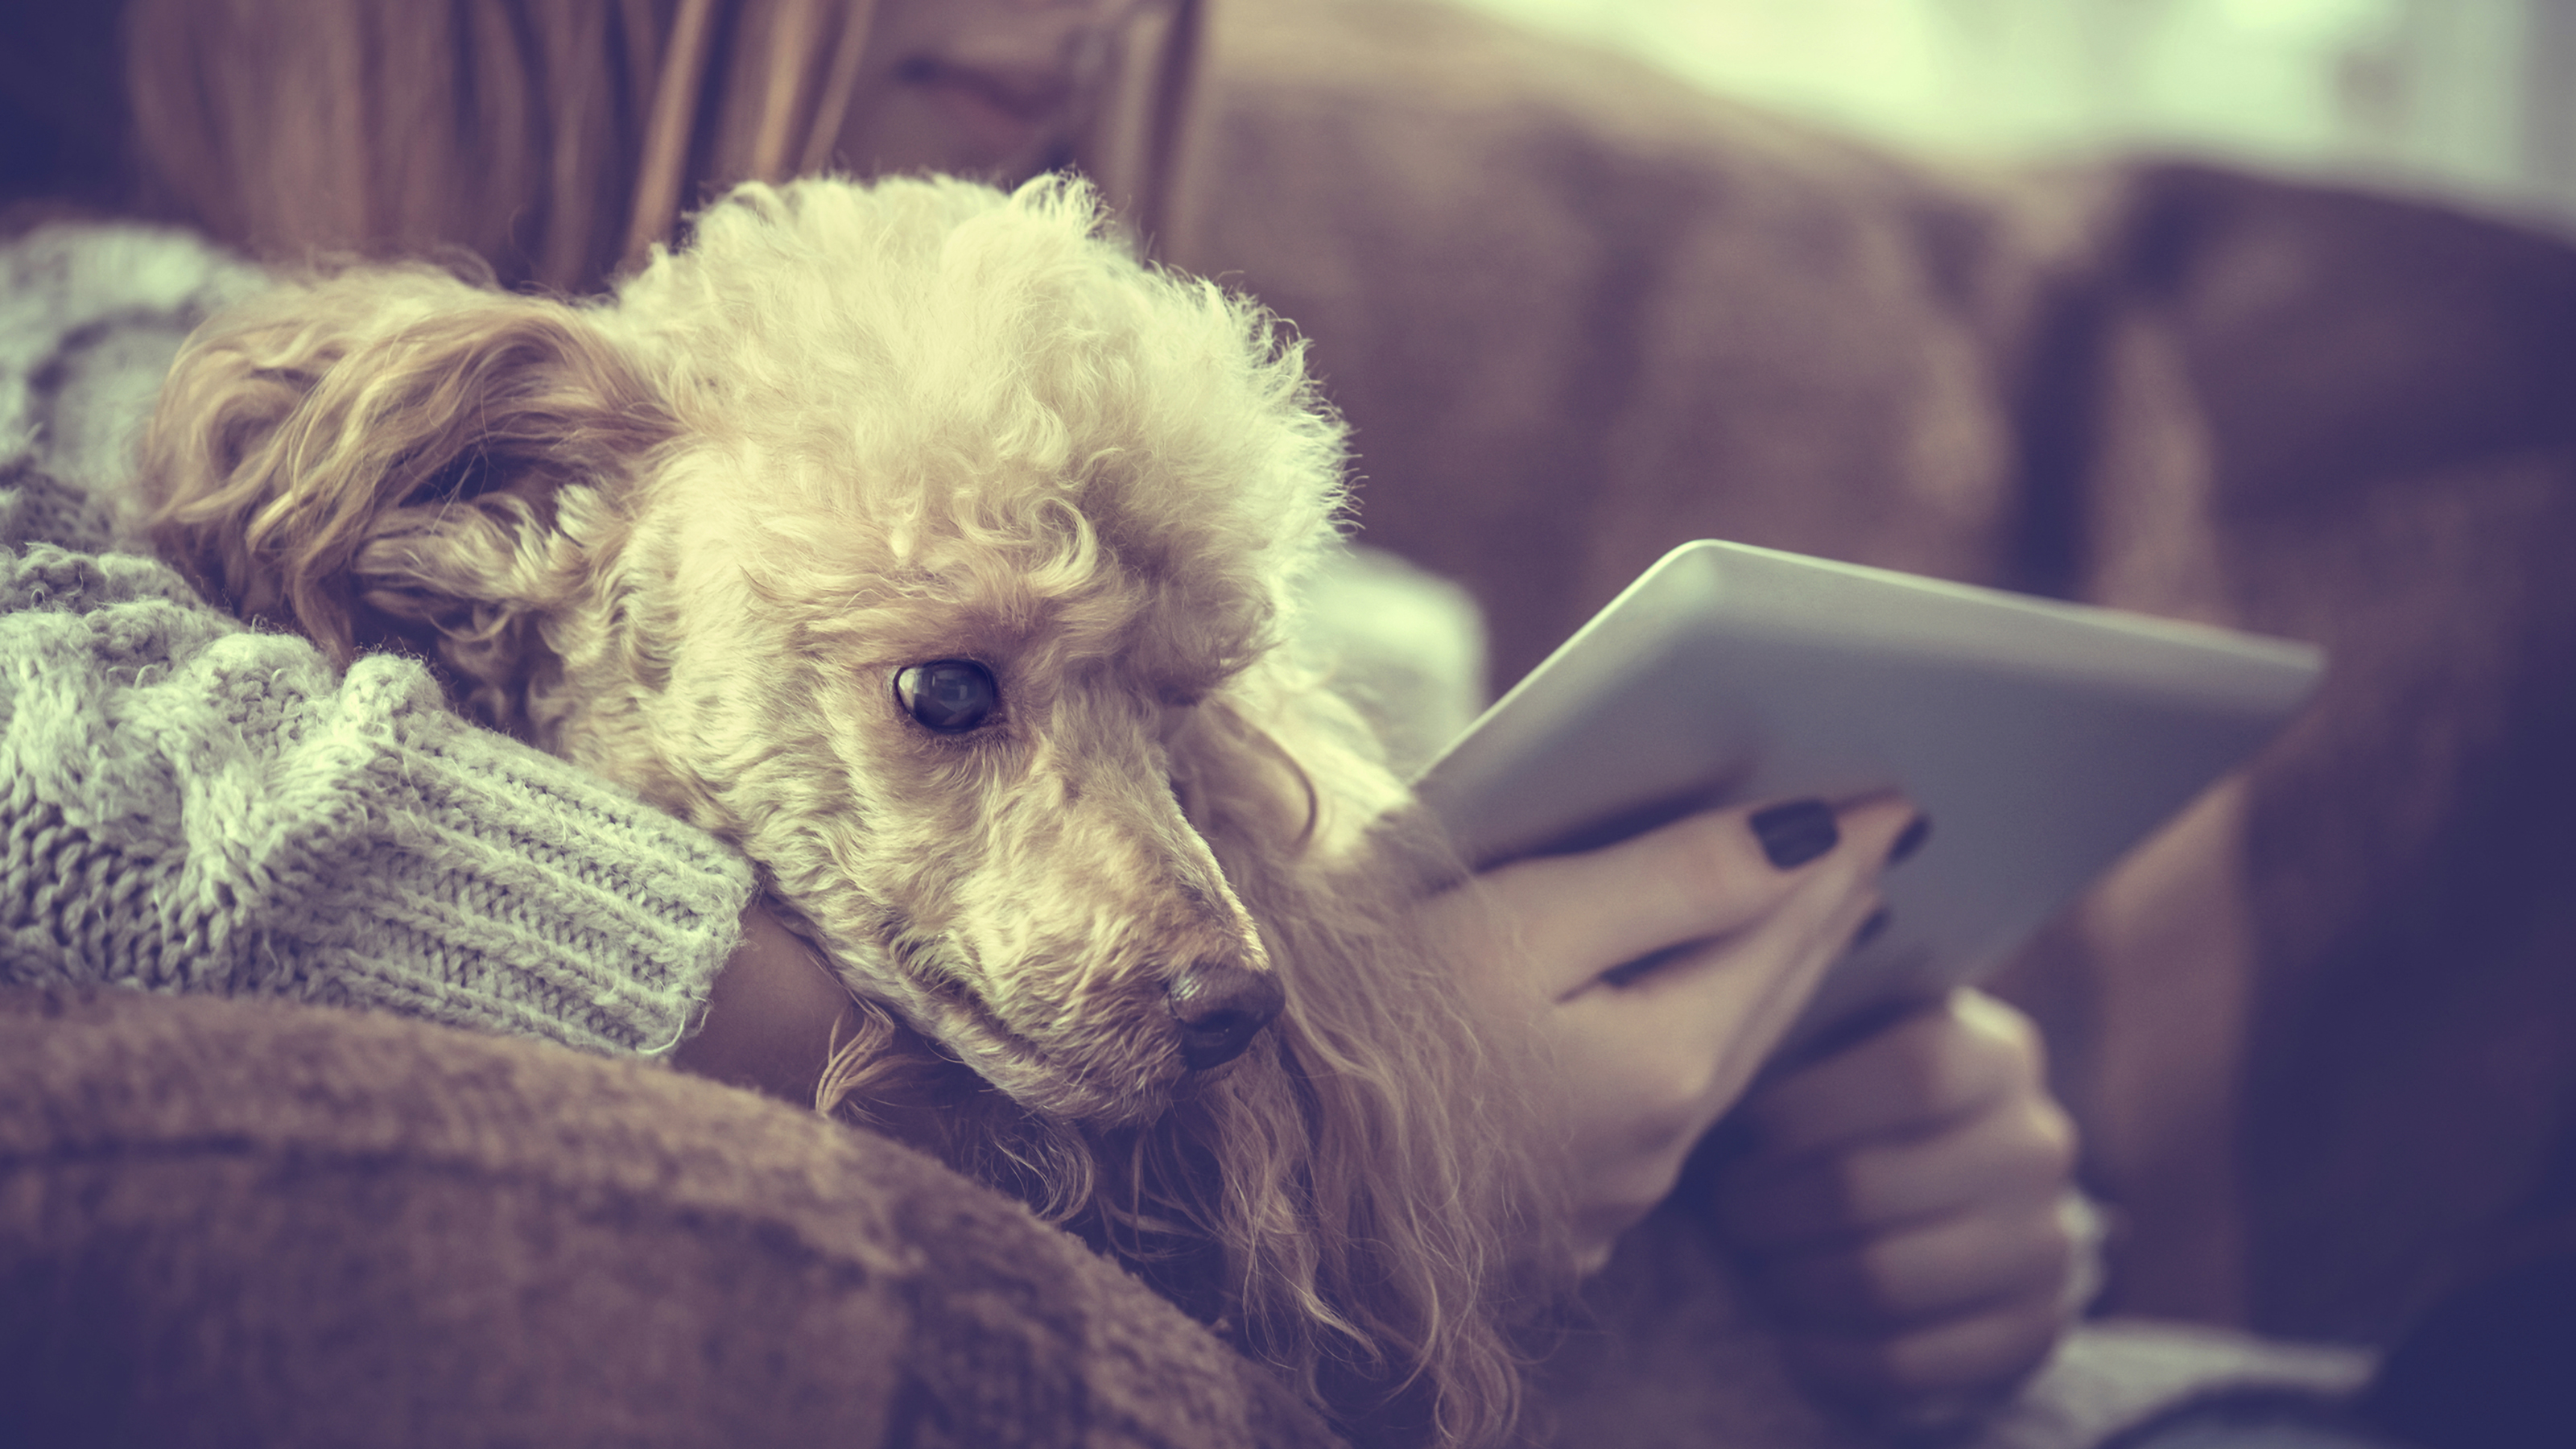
2465,99
2474,100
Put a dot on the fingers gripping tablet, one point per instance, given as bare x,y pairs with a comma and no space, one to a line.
2045,738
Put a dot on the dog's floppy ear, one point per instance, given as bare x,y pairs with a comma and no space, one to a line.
376,456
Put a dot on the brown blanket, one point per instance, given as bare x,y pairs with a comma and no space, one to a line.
242,1223
250,1223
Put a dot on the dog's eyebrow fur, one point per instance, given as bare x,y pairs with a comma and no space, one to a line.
926,613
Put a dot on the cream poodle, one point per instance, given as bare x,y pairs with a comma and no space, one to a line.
920,541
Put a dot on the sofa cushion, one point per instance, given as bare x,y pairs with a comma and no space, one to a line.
232,1222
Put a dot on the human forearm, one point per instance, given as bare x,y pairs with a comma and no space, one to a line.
195,805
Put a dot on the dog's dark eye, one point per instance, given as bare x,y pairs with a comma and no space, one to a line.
948,695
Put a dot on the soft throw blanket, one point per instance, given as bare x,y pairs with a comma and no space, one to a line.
235,1222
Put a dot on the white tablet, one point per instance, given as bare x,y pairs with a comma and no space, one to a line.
2043,739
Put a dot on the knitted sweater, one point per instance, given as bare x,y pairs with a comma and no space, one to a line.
188,804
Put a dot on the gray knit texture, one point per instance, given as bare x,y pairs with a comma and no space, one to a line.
90,316
189,804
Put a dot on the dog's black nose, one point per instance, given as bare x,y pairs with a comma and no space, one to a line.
1221,1007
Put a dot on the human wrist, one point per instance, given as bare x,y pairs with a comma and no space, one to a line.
769,1024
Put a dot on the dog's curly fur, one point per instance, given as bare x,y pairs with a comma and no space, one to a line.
687,538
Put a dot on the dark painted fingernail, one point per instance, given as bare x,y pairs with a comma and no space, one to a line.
1871,929
1915,833
1797,832
1627,973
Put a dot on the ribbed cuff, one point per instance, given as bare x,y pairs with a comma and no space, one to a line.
508,891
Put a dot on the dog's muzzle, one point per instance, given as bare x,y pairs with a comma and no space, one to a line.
1221,1007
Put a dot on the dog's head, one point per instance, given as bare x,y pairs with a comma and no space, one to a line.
911,535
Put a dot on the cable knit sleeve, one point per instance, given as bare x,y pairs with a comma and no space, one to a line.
193,805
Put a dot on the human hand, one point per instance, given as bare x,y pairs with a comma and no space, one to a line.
770,1014
1656,974
1907,1209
